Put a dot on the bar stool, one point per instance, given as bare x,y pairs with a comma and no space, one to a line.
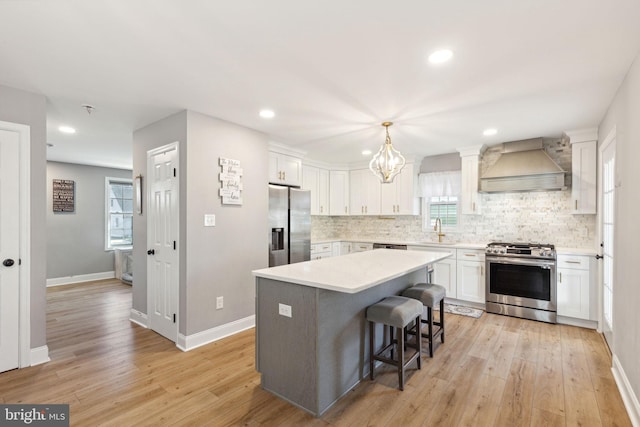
429,294
397,312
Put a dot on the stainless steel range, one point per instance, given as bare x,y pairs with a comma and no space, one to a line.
521,280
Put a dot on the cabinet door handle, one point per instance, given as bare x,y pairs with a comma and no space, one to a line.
576,204
473,208
320,209
469,254
345,209
284,175
366,209
573,262
560,277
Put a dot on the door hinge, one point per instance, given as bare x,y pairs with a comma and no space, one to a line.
174,172
174,318
19,261
174,245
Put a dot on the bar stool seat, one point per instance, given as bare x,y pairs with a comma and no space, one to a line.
398,313
429,294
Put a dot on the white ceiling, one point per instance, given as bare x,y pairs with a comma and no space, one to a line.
331,70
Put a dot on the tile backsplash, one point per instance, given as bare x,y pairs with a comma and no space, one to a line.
527,217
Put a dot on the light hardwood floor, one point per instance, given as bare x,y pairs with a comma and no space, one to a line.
492,371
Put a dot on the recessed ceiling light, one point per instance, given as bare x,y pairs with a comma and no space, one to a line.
489,132
66,129
267,114
440,56
366,152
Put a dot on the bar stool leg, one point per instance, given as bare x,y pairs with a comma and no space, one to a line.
442,319
430,329
372,331
391,328
419,340
401,358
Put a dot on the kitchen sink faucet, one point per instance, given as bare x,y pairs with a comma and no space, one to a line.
438,227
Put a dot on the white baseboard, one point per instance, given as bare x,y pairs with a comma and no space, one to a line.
186,343
59,281
571,321
39,355
138,318
628,396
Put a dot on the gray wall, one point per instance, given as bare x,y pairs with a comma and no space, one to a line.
623,114
26,108
220,258
214,261
75,241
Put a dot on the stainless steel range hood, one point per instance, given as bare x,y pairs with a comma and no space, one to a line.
523,166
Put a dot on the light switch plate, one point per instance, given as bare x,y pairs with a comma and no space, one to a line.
209,220
284,310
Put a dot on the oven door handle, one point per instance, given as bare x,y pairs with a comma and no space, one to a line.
545,264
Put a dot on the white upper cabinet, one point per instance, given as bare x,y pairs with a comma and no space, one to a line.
398,197
285,169
583,170
316,180
469,199
364,193
339,193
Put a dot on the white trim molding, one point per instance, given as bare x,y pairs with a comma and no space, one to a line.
39,355
138,317
186,343
24,208
59,281
626,391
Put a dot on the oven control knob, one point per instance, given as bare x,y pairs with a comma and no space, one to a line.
503,251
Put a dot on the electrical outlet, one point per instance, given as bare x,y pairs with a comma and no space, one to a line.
219,303
209,220
284,310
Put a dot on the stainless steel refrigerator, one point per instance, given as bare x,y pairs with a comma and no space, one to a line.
289,225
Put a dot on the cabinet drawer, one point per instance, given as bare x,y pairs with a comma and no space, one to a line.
320,247
470,255
576,262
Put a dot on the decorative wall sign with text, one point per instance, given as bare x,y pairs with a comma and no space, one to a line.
231,182
64,192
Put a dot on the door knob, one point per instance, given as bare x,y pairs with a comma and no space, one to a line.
8,262
151,252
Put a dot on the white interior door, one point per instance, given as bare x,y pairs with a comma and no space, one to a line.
9,250
607,225
162,239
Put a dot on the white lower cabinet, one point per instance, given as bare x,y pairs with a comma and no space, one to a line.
360,247
470,275
444,274
574,287
341,248
321,250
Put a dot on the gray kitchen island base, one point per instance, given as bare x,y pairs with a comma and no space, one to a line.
314,357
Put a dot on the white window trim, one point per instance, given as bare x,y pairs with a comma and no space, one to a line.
427,215
107,181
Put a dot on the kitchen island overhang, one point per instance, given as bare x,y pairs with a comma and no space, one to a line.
311,334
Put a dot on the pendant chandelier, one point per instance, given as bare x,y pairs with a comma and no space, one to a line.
388,162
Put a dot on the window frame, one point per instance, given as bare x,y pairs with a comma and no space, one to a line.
426,217
108,181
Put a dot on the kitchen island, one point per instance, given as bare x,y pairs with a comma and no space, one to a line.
311,331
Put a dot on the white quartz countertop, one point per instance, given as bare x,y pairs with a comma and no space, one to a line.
354,272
